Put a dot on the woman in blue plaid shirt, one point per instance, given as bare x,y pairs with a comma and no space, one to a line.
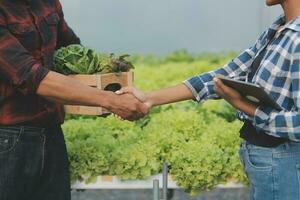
270,151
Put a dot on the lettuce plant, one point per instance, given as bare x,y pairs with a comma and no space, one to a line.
77,59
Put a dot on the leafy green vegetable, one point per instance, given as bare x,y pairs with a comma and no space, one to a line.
77,59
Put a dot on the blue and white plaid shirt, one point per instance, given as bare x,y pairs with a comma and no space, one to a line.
278,75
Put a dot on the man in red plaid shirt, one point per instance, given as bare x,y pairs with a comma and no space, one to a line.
33,158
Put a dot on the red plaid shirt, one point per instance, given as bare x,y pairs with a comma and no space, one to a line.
30,31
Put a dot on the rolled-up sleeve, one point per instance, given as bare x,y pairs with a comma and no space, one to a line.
202,85
17,66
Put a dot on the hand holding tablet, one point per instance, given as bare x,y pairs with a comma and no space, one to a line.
252,92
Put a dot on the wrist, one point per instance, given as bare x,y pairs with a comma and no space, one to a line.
105,99
238,103
149,100
246,106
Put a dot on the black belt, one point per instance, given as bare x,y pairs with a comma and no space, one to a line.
249,133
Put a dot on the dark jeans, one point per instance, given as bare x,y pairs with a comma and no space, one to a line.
33,164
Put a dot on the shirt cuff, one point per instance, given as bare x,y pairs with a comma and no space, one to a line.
196,85
31,79
261,115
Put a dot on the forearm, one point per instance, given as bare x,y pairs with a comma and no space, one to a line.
65,90
169,95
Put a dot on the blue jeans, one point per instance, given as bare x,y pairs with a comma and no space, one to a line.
33,164
273,173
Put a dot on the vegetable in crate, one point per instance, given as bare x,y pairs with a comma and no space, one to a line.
77,59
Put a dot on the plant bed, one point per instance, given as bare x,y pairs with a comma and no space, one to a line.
113,182
199,156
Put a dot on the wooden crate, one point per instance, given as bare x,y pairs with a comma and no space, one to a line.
111,82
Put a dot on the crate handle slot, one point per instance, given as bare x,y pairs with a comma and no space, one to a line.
113,87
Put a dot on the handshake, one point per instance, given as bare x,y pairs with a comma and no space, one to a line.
131,104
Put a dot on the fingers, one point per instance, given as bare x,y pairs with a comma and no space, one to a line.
145,108
132,115
219,87
119,117
130,107
132,118
225,89
227,93
141,111
125,90
140,95
119,92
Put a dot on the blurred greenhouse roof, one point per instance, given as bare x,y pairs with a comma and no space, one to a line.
142,26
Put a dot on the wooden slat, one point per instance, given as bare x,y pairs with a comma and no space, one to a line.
120,78
90,80
83,110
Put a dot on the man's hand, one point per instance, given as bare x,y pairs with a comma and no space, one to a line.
128,107
234,98
65,90
140,95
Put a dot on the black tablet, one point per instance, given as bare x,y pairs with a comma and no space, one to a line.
252,92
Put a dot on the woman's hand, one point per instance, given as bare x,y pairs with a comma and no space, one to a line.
140,95
234,98
159,97
227,93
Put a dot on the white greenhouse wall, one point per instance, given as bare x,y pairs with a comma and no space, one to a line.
156,26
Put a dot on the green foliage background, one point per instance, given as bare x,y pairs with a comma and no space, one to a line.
200,142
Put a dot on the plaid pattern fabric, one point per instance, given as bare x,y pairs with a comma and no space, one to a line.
30,31
278,75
